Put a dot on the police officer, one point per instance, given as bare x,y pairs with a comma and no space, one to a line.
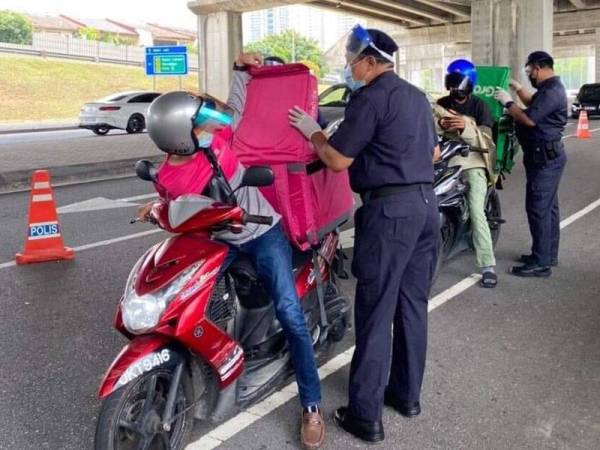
387,141
539,129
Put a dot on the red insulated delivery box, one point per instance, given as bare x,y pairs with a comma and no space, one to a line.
311,205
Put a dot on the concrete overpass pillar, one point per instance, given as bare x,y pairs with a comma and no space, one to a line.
504,32
219,43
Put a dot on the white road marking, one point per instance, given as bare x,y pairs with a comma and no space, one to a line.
579,214
246,418
236,424
137,197
575,134
98,244
101,203
94,204
347,238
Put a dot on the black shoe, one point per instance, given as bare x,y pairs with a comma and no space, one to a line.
531,270
528,259
407,409
362,429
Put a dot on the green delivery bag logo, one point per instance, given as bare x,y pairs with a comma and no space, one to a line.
485,91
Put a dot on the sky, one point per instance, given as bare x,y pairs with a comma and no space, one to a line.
165,12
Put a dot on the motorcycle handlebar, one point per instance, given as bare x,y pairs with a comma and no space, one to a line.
261,220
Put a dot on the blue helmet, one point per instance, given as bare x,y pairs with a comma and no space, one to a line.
461,76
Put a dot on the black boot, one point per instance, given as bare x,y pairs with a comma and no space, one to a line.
531,270
362,429
407,409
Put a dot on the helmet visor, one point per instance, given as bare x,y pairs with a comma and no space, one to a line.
212,115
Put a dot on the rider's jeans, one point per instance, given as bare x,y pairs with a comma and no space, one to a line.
272,256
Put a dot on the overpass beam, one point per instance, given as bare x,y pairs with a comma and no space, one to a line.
219,43
504,32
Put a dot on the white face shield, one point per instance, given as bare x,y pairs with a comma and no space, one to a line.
357,41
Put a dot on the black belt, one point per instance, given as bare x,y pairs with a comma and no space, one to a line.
385,191
542,152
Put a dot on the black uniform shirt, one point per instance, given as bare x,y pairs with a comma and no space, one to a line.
388,129
548,110
474,107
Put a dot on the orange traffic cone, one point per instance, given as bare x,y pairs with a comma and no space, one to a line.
44,242
583,127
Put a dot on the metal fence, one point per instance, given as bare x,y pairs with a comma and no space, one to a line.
66,46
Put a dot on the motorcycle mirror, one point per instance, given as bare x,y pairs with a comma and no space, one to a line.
258,176
145,170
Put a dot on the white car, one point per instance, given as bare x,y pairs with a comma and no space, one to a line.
125,111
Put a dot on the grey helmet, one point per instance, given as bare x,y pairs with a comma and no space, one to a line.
170,122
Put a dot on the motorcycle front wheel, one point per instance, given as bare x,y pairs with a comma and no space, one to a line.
131,417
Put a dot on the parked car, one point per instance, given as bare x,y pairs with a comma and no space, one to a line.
588,99
125,111
333,101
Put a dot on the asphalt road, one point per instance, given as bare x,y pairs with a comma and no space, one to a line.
70,154
514,367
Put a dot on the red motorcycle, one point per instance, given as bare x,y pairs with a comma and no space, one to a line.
205,344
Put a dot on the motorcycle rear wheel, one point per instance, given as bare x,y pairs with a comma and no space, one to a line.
129,421
444,245
493,210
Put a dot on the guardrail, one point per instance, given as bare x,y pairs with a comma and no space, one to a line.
80,49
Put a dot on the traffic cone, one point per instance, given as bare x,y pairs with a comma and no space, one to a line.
583,126
44,242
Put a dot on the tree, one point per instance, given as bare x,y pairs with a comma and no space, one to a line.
89,33
15,28
291,46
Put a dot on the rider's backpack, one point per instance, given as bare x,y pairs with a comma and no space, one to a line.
311,205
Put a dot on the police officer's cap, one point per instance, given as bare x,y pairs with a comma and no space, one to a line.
540,57
382,41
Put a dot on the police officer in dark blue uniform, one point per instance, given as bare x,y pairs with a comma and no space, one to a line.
387,141
539,129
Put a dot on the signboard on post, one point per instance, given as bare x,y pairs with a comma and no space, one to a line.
166,60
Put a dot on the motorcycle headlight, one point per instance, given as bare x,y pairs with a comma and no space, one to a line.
141,313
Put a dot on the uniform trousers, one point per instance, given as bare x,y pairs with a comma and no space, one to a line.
394,259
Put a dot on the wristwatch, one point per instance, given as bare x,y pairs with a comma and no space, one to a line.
242,68
509,104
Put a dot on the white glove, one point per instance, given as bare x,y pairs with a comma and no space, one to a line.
306,124
515,85
502,96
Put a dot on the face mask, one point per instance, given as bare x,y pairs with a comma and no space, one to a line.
204,139
353,84
533,81
457,94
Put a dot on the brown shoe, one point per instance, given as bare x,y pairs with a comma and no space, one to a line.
312,432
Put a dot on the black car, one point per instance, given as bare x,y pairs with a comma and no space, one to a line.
588,100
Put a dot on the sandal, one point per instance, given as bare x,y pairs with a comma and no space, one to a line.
489,280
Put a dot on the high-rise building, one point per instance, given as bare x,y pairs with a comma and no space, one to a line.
326,27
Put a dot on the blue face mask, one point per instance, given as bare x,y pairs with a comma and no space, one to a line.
353,84
204,139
